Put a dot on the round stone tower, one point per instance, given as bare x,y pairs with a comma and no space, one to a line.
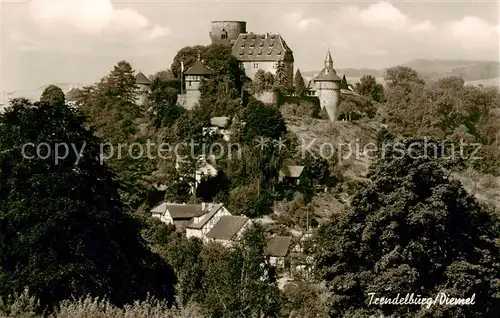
327,86
225,32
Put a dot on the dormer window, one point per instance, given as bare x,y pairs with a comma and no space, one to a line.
271,43
244,36
269,52
261,44
279,53
250,52
252,45
259,52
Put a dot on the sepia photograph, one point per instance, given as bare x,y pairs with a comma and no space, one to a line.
249,158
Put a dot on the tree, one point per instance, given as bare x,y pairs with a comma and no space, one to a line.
262,121
262,81
63,229
52,95
188,55
164,75
237,282
368,86
300,87
402,75
281,78
162,101
353,107
343,83
411,229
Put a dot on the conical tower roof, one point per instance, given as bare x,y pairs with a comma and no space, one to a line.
328,60
328,74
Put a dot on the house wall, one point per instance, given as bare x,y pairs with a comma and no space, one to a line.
201,233
192,82
210,224
251,67
278,262
166,218
193,233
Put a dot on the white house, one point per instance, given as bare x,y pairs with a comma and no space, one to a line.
178,214
202,224
228,229
277,249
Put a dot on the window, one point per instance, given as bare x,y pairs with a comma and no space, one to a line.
223,34
255,65
189,83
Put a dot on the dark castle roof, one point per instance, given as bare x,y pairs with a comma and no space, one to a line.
261,47
327,75
198,68
141,79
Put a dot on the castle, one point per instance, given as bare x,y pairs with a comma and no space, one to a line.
258,52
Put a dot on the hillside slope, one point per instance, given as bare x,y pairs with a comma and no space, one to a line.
356,139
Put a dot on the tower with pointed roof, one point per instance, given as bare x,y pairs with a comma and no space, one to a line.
142,83
326,85
192,78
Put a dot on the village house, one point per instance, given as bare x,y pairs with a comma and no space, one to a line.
218,126
290,174
277,251
178,214
228,229
200,225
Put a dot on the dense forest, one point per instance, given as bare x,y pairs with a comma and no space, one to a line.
77,238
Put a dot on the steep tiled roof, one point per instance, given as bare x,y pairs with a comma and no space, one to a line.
292,171
327,74
205,218
140,78
227,227
179,211
198,68
278,246
261,47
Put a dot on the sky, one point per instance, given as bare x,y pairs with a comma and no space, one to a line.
79,41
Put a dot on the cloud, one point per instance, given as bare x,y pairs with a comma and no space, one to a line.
381,29
298,22
474,33
382,14
93,20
